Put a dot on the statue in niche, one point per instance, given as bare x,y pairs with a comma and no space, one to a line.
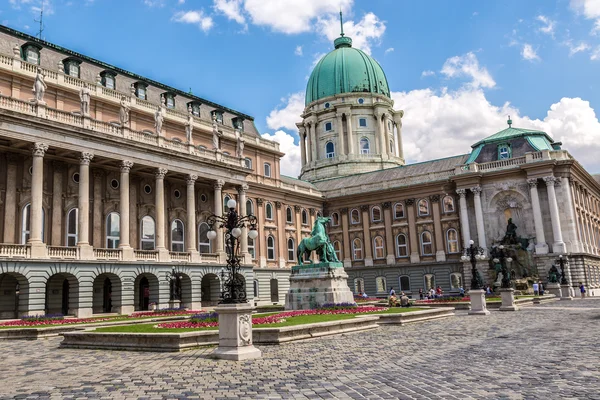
553,274
189,125
216,133
85,97
239,152
39,86
124,112
158,120
511,233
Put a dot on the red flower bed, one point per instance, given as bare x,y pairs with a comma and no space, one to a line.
69,321
361,299
162,313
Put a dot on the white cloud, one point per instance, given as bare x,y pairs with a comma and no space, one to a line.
389,50
548,25
595,54
35,6
298,51
203,21
590,10
231,9
364,33
468,66
427,73
287,116
290,163
528,53
574,49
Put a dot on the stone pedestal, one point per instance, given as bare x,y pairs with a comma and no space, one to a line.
174,303
554,288
565,292
235,333
313,285
508,300
478,306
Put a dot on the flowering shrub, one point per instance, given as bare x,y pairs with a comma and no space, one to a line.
205,317
69,321
47,317
338,306
167,312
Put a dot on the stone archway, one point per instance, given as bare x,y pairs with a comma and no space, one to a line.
185,286
107,294
211,289
14,295
62,294
145,291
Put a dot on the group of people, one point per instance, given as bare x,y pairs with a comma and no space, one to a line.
393,300
433,293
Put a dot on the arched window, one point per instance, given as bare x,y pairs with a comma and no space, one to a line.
249,207
455,280
355,216
72,227
225,201
335,219
365,147
357,249
251,248
398,210
26,224
448,204
337,248
177,236
291,249
329,150
429,281
148,233
401,246
376,214
113,230
248,163
204,246
404,283
269,211
452,240
270,248
267,167
423,207
289,218
378,247
426,247
381,284
359,285
304,217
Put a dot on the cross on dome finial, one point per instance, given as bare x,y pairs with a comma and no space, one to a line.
509,121
341,24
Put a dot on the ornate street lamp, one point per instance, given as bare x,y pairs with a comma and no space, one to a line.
474,253
563,276
174,279
233,290
501,256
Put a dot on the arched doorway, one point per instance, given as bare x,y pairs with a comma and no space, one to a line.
211,289
144,294
107,294
146,291
62,294
14,295
274,290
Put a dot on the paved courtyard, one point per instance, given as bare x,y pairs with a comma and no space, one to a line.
548,351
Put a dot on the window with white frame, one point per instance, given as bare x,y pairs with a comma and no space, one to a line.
376,214
365,146
249,207
289,216
381,284
378,252
452,240
268,211
147,233
401,246
72,227
448,204
429,280
354,217
362,122
251,248
32,55
328,126
335,219
504,151
304,217
248,163
426,246
359,285
267,170
177,236
398,210
423,207
404,283
329,150
113,230
270,248
291,248
204,246
337,248
455,280
26,224
357,249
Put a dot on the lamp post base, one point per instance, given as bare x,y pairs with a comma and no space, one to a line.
235,333
478,306
554,288
508,300
565,292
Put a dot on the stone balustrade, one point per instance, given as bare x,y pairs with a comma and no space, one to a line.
63,252
14,251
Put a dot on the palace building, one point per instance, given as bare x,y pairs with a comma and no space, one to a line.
107,179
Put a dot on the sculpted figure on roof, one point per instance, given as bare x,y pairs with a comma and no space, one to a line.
39,86
85,97
158,120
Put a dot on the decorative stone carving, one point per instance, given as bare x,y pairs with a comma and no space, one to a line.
278,204
364,207
410,202
98,79
132,89
551,180
507,202
434,198
189,125
160,173
39,86
17,50
239,151
344,210
219,183
297,208
39,149
191,179
386,204
86,158
245,329
532,182
243,188
216,134
476,190
126,166
311,211
159,118
259,201
85,97
124,112
461,192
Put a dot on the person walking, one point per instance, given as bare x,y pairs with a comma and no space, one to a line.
420,294
582,290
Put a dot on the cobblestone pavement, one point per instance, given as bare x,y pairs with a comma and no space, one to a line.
548,351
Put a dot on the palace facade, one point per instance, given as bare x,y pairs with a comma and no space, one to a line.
107,179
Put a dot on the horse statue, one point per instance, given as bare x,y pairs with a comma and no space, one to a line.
319,242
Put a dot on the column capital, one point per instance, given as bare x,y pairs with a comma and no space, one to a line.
344,210
218,185
312,211
551,180
297,208
278,205
364,207
160,173
39,149
259,201
126,166
532,182
243,188
388,204
476,190
86,158
461,192
191,179
434,198
409,202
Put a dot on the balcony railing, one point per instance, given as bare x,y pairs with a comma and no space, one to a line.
65,253
14,250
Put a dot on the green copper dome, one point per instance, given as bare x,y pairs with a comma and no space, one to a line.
346,70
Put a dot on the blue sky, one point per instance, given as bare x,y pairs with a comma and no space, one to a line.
456,68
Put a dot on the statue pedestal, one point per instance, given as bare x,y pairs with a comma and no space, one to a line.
565,292
313,285
478,306
235,333
554,288
508,300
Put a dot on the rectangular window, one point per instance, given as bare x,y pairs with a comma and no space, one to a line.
327,126
74,70
251,248
141,92
170,102
32,56
503,152
267,170
405,283
362,122
196,110
109,81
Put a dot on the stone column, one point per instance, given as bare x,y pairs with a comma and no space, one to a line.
242,190
124,245
38,247
218,196
281,237
464,217
10,200
440,243
57,238
346,236
313,139
572,225
192,245
340,129
368,245
159,203
540,247
415,250
86,251
302,134
298,217
558,246
386,131
351,141
389,237
312,218
97,231
261,247
398,121
481,241
309,158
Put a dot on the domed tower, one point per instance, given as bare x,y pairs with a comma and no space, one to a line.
349,124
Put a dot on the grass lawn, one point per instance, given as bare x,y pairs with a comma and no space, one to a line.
398,310
149,328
